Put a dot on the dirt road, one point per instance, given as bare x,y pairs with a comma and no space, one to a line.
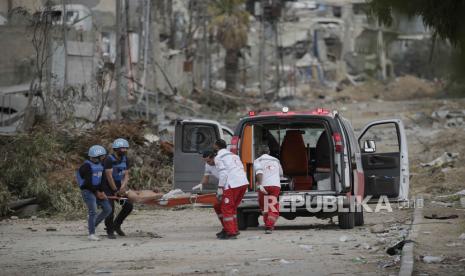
305,246
187,246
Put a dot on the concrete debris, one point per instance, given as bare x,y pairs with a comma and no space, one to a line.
435,216
447,114
13,217
378,228
306,247
462,236
454,244
283,261
389,263
359,260
443,204
345,238
446,159
103,271
432,259
28,211
366,246
151,138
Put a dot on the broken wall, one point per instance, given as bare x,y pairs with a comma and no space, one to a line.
17,66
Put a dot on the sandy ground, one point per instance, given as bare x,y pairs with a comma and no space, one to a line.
183,242
440,238
305,246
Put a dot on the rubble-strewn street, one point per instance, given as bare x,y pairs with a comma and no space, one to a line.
162,242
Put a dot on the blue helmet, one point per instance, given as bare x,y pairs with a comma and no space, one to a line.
96,151
120,143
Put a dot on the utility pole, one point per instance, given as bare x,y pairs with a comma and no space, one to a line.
146,49
276,41
118,59
261,49
206,53
65,45
381,52
155,53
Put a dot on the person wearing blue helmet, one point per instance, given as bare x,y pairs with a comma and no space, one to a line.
89,178
115,181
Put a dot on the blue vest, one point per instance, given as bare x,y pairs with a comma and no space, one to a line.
118,168
97,171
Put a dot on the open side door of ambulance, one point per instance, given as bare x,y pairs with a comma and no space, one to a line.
385,159
191,137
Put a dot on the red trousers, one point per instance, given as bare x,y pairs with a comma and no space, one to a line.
271,214
227,208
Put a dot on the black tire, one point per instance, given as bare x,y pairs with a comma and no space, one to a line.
358,218
241,220
346,220
252,220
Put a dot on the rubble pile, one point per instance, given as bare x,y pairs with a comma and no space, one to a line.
401,88
46,164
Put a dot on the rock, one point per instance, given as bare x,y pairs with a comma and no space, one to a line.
13,217
283,261
359,260
378,228
381,241
102,271
28,211
454,244
446,159
254,238
462,237
343,238
33,217
306,247
366,246
432,259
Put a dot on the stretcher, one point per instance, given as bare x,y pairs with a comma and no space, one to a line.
156,199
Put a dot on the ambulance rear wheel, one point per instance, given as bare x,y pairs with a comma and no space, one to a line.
241,220
346,220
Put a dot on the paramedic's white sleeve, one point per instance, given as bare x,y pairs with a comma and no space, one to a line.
257,167
221,172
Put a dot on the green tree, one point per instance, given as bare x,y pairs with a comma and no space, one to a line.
230,23
444,18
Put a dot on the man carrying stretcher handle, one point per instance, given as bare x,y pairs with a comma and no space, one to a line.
232,186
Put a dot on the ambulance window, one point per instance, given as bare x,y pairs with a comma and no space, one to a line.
197,138
385,136
227,136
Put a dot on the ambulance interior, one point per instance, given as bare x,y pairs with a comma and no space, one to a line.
302,148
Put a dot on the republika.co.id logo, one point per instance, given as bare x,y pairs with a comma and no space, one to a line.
341,204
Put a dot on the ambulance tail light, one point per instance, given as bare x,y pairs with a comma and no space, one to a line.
337,138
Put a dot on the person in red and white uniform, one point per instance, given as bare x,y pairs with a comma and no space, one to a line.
232,186
268,172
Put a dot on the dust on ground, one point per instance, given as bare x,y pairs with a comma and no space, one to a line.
183,242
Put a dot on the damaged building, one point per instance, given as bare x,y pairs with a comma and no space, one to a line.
168,50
